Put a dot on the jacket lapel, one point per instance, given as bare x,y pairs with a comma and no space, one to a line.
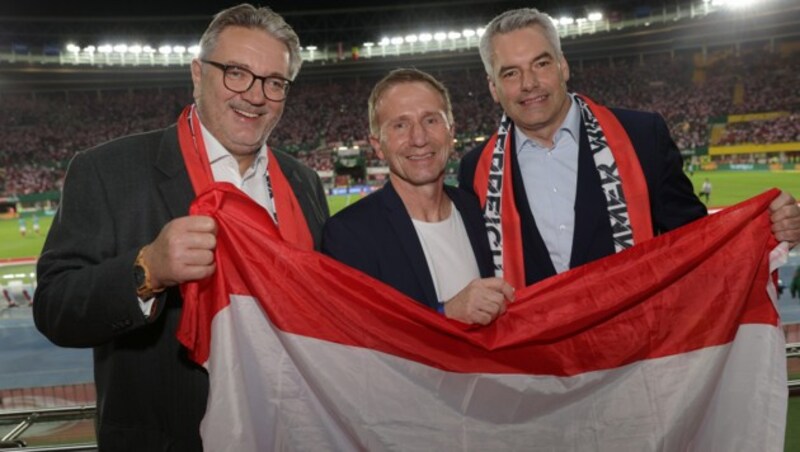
305,194
173,184
401,224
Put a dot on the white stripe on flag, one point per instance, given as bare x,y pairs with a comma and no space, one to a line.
278,391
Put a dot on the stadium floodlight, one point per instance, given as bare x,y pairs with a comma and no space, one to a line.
468,33
369,46
397,40
105,50
734,4
194,50
165,51
72,48
148,49
440,36
383,42
136,50
425,37
311,49
581,20
411,39
454,35
179,50
566,20
120,48
89,49
480,31
595,16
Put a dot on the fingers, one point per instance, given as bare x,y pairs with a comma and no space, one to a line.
783,199
183,251
785,217
481,302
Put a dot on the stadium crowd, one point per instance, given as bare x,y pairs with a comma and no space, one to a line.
39,132
784,129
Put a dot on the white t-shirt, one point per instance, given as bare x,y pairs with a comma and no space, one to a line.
448,253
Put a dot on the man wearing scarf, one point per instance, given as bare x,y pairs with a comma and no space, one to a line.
123,242
566,181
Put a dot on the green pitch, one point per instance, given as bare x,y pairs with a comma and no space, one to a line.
14,245
730,187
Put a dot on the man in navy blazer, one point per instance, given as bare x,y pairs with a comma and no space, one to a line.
557,188
424,239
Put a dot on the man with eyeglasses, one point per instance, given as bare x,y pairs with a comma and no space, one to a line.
123,241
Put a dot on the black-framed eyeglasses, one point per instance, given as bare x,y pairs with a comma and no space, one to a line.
239,80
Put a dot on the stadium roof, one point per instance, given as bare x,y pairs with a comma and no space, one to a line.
90,8
317,22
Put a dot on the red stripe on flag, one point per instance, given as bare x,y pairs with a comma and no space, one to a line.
679,292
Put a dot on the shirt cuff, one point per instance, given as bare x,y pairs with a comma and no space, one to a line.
146,306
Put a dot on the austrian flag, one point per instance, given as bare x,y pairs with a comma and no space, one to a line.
671,345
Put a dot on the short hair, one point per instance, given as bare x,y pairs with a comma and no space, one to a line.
396,77
512,20
262,18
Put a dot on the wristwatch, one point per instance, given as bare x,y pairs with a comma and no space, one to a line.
141,276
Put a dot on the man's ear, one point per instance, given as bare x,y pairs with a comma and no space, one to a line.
492,88
375,142
197,78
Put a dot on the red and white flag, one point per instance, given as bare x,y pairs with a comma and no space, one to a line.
672,345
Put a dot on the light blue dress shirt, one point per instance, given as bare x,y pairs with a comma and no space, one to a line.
550,175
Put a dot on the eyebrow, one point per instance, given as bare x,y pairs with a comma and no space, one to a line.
538,57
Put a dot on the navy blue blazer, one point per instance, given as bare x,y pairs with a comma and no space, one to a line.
376,235
672,199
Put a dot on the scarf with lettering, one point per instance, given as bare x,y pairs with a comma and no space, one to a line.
292,225
621,177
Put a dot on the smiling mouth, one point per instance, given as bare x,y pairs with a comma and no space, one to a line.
533,100
246,114
421,157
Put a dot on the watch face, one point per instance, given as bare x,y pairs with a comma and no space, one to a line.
138,275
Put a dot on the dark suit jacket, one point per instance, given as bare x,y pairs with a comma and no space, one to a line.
376,235
116,198
672,199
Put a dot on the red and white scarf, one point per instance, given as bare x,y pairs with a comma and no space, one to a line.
292,226
621,178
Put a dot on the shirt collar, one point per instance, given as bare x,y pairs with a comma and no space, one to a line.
216,151
571,126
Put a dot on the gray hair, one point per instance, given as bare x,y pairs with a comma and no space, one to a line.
512,20
396,77
262,18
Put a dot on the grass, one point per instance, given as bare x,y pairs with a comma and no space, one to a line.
793,426
731,187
